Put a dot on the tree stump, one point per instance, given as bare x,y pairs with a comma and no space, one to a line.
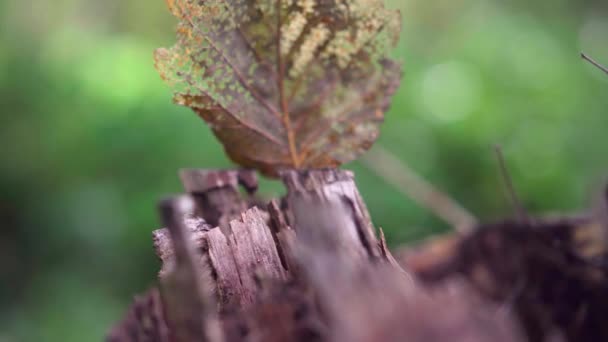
311,267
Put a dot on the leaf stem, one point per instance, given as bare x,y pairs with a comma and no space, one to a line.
291,139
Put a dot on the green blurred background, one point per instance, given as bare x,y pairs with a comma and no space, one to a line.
90,140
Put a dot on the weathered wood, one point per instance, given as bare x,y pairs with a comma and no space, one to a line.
163,246
229,290
144,322
385,251
185,287
365,301
216,193
336,186
279,227
283,311
308,269
233,259
389,307
550,272
236,259
254,250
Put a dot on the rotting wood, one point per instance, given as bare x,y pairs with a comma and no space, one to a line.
232,259
335,186
338,187
238,258
305,268
278,225
216,192
185,291
551,272
163,246
145,321
365,301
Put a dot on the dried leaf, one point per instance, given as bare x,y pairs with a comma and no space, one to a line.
285,83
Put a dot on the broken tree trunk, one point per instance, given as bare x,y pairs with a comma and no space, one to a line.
311,267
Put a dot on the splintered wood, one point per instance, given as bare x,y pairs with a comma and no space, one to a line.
310,267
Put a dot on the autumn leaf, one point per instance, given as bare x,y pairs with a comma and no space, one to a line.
284,83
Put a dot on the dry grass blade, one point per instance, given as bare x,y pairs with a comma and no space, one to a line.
521,212
594,63
408,182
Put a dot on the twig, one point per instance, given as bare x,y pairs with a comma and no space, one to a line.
408,182
519,209
594,63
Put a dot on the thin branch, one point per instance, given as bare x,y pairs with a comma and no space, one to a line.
399,175
594,63
519,209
